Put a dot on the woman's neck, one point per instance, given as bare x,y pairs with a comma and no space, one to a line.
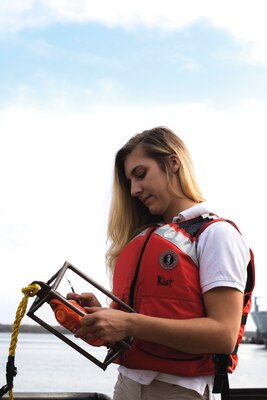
182,204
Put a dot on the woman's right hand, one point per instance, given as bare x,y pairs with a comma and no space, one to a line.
84,299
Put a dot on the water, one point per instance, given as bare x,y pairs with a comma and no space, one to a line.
46,364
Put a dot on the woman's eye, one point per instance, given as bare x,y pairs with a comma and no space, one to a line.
141,175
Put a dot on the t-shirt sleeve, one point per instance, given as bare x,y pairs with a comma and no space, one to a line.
223,257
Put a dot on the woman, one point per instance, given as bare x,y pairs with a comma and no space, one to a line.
182,268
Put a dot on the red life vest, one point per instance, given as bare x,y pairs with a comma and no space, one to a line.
157,273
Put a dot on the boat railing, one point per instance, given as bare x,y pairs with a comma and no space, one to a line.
235,394
59,396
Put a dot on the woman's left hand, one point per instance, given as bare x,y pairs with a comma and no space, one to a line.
104,323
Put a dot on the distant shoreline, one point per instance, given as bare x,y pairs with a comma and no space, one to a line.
249,336
25,328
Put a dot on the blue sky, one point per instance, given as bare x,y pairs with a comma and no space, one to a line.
91,62
78,78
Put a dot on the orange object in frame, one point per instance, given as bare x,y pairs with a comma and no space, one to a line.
70,319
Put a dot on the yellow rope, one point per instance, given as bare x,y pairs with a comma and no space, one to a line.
29,291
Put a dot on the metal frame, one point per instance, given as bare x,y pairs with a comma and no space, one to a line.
49,291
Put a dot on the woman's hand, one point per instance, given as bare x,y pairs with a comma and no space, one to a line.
84,299
105,323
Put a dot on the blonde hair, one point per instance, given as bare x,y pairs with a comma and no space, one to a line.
127,214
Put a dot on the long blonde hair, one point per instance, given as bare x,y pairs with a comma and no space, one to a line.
127,214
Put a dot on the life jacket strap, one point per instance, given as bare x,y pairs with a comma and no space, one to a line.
221,381
133,284
194,225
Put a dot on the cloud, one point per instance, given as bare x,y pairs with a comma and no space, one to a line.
244,20
255,53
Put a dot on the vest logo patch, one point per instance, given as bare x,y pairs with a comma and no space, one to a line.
168,259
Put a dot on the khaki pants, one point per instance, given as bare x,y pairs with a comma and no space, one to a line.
127,389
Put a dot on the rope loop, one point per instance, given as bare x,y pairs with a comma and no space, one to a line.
31,290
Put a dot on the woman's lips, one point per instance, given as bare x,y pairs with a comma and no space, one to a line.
145,199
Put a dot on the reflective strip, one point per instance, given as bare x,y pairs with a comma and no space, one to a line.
143,233
181,241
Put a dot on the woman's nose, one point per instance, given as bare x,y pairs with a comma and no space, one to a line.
136,188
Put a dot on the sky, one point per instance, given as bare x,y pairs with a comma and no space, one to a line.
78,78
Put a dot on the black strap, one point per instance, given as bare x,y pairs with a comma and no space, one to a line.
133,284
221,381
192,226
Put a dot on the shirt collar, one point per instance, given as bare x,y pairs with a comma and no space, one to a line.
193,212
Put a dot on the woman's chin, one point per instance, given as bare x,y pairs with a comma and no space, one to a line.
154,211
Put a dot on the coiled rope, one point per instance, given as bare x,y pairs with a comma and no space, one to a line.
11,371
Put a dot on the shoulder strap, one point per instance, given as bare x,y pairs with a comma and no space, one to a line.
196,225
133,284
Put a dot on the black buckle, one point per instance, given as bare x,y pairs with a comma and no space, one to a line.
11,372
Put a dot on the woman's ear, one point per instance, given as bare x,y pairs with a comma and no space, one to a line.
174,162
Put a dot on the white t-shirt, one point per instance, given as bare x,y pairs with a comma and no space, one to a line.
223,258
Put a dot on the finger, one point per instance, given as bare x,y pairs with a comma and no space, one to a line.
87,299
87,321
74,296
91,310
85,332
71,296
90,300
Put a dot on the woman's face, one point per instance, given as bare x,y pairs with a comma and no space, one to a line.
150,184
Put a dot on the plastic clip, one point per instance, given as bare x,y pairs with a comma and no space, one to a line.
11,372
